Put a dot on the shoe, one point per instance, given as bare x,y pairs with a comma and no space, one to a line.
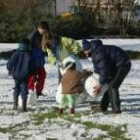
116,112
96,108
24,105
39,94
60,112
72,112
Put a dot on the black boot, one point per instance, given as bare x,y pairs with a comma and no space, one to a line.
115,100
105,102
15,107
24,105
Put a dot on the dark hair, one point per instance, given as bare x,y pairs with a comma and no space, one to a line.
44,25
51,35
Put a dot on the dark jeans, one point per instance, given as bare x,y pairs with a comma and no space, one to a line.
112,95
21,87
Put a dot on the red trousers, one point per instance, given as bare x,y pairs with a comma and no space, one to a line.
36,82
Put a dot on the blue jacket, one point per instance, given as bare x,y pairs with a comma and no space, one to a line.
21,64
107,59
38,54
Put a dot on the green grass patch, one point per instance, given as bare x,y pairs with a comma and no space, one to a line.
10,129
74,119
40,117
101,137
6,130
116,133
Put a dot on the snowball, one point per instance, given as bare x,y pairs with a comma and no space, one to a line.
91,82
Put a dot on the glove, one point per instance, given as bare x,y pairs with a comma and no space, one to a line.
87,73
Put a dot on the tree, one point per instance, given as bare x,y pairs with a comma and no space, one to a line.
124,10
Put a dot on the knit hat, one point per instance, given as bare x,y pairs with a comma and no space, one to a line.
69,65
96,43
68,62
86,44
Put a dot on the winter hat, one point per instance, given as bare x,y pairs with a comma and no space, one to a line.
96,43
68,62
86,44
68,65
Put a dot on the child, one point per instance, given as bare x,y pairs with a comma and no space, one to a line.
71,85
112,64
21,66
36,82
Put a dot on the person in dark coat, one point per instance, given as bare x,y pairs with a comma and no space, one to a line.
36,82
112,64
21,66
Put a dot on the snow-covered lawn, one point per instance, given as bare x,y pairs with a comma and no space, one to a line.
41,123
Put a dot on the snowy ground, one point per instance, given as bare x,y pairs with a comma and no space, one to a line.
127,44
37,124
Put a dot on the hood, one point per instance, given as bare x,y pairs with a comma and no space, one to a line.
96,43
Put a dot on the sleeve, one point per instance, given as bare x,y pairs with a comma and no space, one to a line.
86,73
51,58
102,64
10,63
72,45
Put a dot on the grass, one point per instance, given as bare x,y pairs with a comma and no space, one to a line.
115,133
6,130
40,117
11,129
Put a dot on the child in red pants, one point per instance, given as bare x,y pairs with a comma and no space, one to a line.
36,81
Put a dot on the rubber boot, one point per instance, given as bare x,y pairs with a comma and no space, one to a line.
24,104
115,100
105,102
15,107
